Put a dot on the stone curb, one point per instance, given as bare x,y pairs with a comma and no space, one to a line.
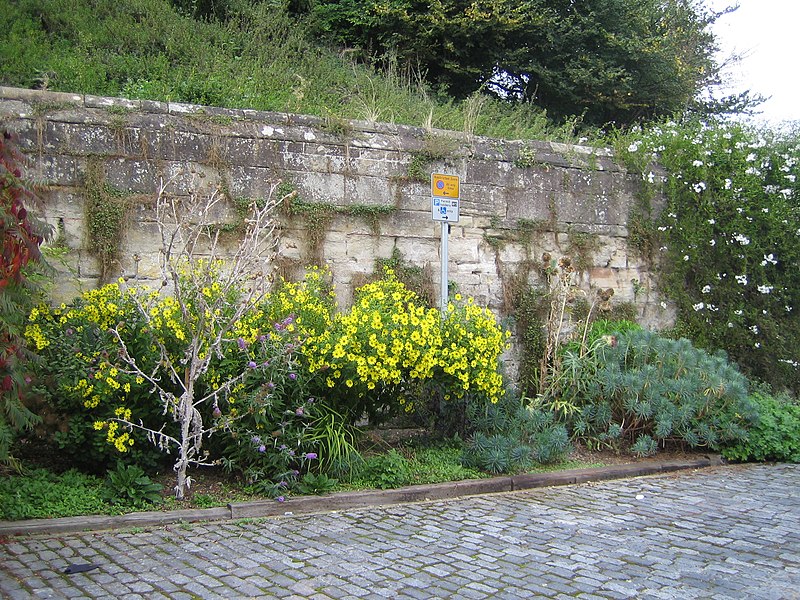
350,500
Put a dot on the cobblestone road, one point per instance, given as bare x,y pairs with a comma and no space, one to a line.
725,532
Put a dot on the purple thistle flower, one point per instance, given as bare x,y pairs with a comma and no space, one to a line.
256,439
252,364
299,412
283,447
280,499
311,455
262,448
217,412
242,343
271,385
292,376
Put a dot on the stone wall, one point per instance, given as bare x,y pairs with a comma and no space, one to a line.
519,200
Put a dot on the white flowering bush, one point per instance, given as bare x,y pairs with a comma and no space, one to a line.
728,240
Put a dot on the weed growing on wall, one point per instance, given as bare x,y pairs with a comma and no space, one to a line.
728,240
105,218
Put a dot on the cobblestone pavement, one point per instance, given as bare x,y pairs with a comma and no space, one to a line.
724,532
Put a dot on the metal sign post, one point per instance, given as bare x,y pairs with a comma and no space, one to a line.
445,195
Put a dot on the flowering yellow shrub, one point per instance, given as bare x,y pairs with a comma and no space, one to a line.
374,353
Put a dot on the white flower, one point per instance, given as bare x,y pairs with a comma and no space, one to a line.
754,329
699,187
698,306
663,305
712,221
742,279
634,147
791,178
752,171
793,363
738,313
697,163
751,157
787,193
712,242
728,184
730,325
685,257
662,228
765,289
769,258
788,308
706,289
757,345
742,239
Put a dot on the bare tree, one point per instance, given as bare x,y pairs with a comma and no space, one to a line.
193,262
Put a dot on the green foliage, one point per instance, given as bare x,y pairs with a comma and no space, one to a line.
130,486
776,436
21,235
615,60
316,484
318,216
336,440
646,388
234,54
511,435
385,471
440,464
434,148
105,218
83,379
728,253
40,494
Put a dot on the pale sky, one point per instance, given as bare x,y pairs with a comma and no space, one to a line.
767,33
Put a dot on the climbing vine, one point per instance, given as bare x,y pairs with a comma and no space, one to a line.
106,210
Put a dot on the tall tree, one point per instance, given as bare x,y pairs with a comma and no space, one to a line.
611,60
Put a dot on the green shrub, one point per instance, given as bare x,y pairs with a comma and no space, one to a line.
645,388
128,485
385,471
84,380
316,484
39,494
776,436
511,434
